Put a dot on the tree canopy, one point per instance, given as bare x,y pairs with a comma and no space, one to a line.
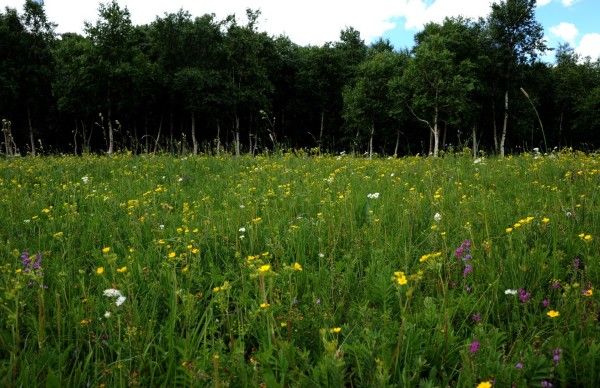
200,84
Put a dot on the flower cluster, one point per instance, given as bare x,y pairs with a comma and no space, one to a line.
463,253
428,256
114,293
31,264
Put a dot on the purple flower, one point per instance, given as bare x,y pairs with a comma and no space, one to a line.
545,303
555,285
30,264
25,260
476,318
524,296
37,264
459,252
463,251
519,365
556,356
546,384
474,347
468,269
576,263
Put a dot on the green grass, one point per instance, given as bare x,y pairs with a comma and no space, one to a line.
209,304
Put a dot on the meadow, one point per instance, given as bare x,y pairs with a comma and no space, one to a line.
298,270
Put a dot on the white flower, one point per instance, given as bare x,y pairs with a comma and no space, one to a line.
478,161
437,217
242,230
242,237
321,255
112,293
107,314
161,226
510,292
85,179
242,206
120,300
536,150
373,195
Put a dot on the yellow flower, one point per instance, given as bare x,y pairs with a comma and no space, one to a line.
545,220
58,234
485,384
99,270
508,230
553,313
588,292
256,220
264,305
106,250
264,268
335,330
587,238
172,255
122,269
429,256
400,278
297,266
85,322
216,289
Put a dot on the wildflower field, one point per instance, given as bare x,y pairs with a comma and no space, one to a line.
300,271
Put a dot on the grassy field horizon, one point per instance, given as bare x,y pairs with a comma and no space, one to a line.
292,270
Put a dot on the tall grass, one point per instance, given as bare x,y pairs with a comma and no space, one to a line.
292,271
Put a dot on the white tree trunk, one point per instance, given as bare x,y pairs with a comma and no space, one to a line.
237,136
194,141
504,125
371,141
110,132
31,140
475,145
436,134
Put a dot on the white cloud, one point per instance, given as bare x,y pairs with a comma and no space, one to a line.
541,3
568,3
589,46
309,21
417,13
566,31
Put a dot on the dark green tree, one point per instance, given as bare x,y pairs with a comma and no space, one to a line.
516,39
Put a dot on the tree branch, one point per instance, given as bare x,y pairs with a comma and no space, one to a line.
420,119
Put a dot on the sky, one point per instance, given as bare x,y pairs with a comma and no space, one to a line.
319,21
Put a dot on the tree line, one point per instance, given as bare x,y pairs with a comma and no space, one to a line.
183,84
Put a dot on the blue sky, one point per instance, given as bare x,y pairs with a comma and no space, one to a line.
319,21
575,22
